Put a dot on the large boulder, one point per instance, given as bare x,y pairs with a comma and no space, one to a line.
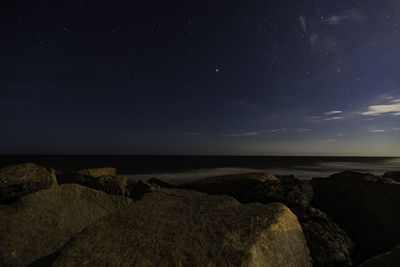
41,223
188,228
365,206
388,259
329,245
256,187
24,179
98,172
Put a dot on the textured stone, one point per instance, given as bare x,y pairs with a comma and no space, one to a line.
188,228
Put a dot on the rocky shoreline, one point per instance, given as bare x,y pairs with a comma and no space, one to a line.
95,217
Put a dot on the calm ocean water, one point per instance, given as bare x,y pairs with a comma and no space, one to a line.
185,168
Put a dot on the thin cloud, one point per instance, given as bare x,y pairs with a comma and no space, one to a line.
303,23
396,129
334,118
328,140
301,130
392,109
376,131
340,134
281,130
333,112
348,15
240,134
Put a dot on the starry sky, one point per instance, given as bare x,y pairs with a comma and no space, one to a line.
279,77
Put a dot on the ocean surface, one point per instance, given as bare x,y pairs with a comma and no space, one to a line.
182,169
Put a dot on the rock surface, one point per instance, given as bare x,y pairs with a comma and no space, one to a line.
329,245
188,228
114,185
365,206
162,183
388,259
393,175
97,172
24,179
40,223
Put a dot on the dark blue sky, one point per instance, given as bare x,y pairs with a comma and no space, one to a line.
200,77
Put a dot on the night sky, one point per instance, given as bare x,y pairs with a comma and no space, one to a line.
200,77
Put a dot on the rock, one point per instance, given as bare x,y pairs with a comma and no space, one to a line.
393,175
138,189
329,245
162,183
74,178
114,185
365,206
233,185
256,187
24,179
84,176
98,172
388,259
188,228
41,223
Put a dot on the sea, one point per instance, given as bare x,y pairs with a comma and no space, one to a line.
182,169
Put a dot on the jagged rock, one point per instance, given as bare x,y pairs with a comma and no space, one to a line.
393,175
40,223
256,187
138,189
388,259
24,179
188,228
162,183
365,206
98,172
114,185
84,176
329,245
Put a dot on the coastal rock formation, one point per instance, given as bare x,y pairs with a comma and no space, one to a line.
393,175
84,176
365,206
114,185
40,223
388,259
188,228
98,172
162,183
329,245
24,179
256,187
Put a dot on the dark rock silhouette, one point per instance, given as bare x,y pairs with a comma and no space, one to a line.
188,228
40,223
393,175
365,206
329,245
84,176
114,185
23,179
162,183
388,259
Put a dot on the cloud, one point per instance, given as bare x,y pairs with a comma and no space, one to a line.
376,131
333,112
393,109
334,118
328,140
303,23
347,15
240,134
301,130
396,129
340,134
281,130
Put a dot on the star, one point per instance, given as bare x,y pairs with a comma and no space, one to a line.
217,70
